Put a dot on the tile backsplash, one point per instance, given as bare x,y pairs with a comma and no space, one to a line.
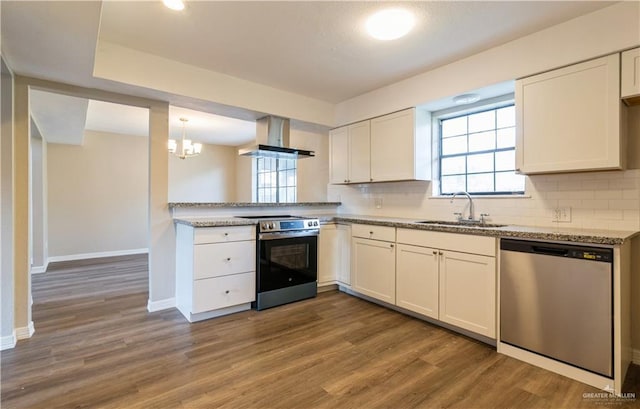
598,200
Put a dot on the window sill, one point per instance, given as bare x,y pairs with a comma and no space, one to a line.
525,196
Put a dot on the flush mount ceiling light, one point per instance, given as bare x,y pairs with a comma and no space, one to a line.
174,4
390,24
187,149
465,99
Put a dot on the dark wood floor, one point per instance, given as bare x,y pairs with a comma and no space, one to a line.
96,346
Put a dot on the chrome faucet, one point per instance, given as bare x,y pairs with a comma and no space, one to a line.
471,212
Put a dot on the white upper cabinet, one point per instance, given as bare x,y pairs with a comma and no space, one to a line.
630,80
359,153
350,154
400,146
388,148
569,119
339,155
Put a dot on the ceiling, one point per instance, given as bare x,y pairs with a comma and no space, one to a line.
320,49
315,49
63,119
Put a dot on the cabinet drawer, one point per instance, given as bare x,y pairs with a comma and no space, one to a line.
223,234
372,232
465,243
220,292
220,259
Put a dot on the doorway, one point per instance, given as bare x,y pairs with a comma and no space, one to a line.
89,209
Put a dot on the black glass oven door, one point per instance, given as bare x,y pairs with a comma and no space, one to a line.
287,262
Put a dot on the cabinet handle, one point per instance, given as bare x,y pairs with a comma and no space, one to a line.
435,253
226,234
370,179
228,258
226,292
346,181
392,246
440,253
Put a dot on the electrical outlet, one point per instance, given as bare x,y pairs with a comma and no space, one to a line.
378,202
562,214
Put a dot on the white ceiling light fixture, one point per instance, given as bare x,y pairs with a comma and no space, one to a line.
390,24
174,4
187,148
464,99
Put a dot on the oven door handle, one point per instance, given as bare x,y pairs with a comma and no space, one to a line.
288,234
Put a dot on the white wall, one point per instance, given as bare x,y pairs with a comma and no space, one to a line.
7,335
313,173
98,195
39,223
244,178
208,177
602,32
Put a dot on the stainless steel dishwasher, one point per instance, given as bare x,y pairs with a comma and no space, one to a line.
556,301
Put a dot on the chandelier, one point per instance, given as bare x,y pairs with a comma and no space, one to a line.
186,148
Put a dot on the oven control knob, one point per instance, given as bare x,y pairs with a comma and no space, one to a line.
265,226
309,224
272,225
315,223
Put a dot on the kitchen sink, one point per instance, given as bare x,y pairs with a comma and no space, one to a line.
460,223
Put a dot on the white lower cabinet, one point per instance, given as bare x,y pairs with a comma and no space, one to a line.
468,292
328,254
344,262
215,270
448,277
333,255
373,263
417,279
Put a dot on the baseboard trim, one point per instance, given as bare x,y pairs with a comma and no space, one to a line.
100,254
153,306
8,341
40,269
636,357
25,332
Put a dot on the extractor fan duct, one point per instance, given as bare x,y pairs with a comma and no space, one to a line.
272,141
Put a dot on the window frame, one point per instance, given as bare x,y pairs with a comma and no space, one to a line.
277,177
483,106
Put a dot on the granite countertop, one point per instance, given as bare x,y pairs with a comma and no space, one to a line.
214,221
604,237
222,205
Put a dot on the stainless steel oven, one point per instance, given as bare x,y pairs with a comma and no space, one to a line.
287,260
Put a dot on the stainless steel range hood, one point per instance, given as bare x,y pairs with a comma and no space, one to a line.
272,141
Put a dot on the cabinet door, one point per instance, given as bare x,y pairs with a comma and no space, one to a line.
328,254
468,292
569,119
374,268
630,81
359,153
339,155
417,279
392,147
344,262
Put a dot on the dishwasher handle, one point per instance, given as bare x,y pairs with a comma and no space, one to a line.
551,251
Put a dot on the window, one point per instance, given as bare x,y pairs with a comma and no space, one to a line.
477,153
275,180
